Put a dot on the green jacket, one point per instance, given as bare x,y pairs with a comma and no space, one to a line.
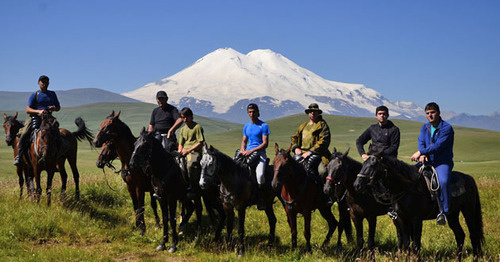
321,139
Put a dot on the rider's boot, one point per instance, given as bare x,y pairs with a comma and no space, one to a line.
441,219
18,160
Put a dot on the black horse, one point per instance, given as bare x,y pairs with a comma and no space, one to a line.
413,202
164,174
236,191
342,171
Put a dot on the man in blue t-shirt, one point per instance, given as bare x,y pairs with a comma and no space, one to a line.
254,142
41,102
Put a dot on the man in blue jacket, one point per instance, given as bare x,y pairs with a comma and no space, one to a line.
435,146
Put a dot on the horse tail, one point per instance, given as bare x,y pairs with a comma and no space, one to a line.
83,132
478,216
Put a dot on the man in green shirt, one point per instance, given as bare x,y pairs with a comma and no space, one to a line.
191,140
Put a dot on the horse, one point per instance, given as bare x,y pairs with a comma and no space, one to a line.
45,155
113,130
162,170
341,173
412,200
106,156
236,192
301,195
11,127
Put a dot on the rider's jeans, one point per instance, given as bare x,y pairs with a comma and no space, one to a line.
443,172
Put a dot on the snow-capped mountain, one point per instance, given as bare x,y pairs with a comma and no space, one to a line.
223,82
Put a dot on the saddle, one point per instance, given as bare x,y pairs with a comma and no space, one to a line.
456,182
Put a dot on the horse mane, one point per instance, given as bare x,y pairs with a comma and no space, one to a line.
14,120
404,170
124,129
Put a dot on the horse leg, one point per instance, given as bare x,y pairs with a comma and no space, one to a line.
164,214
209,206
241,231
140,210
416,235
222,218
198,209
271,218
327,214
154,206
38,189
473,218
76,174
229,223
292,221
64,178
135,202
307,230
358,224
189,206
344,223
50,177
173,225
454,224
372,225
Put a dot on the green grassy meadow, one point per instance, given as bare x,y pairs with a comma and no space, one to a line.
100,226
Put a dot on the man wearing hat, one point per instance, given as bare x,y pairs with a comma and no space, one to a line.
311,142
165,119
41,102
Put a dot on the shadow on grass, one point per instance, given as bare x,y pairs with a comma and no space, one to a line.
98,204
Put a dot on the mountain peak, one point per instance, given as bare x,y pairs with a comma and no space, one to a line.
225,78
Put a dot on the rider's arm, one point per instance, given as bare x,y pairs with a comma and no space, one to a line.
297,139
443,141
176,125
394,142
265,142
150,128
362,140
243,143
323,141
31,111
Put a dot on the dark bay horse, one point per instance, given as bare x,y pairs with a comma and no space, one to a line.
236,192
11,127
107,155
113,130
161,169
300,195
342,171
45,154
413,203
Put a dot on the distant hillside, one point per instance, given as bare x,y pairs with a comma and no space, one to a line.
135,115
67,98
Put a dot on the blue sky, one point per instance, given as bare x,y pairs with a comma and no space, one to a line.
419,51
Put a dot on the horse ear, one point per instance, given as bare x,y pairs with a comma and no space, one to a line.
346,152
143,130
334,150
276,148
289,148
15,115
205,148
5,116
112,113
118,114
211,148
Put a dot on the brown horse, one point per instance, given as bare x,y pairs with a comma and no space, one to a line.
106,156
301,195
342,171
45,154
113,129
11,127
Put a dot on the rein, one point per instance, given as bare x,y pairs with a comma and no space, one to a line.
108,164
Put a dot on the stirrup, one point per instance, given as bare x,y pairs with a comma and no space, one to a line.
393,215
441,219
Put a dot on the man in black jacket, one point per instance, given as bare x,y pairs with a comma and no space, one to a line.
383,134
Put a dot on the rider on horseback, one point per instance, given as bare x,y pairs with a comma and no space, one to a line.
311,142
435,146
385,135
191,141
41,103
253,147
164,121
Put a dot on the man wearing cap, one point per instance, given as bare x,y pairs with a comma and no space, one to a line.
41,102
383,134
165,119
311,142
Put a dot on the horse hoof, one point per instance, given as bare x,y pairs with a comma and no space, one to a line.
172,250
160,248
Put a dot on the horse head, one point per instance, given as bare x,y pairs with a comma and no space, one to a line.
11,127
282,166
371,169
143,151
108,129
107,155
336,171
208,166
46,138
